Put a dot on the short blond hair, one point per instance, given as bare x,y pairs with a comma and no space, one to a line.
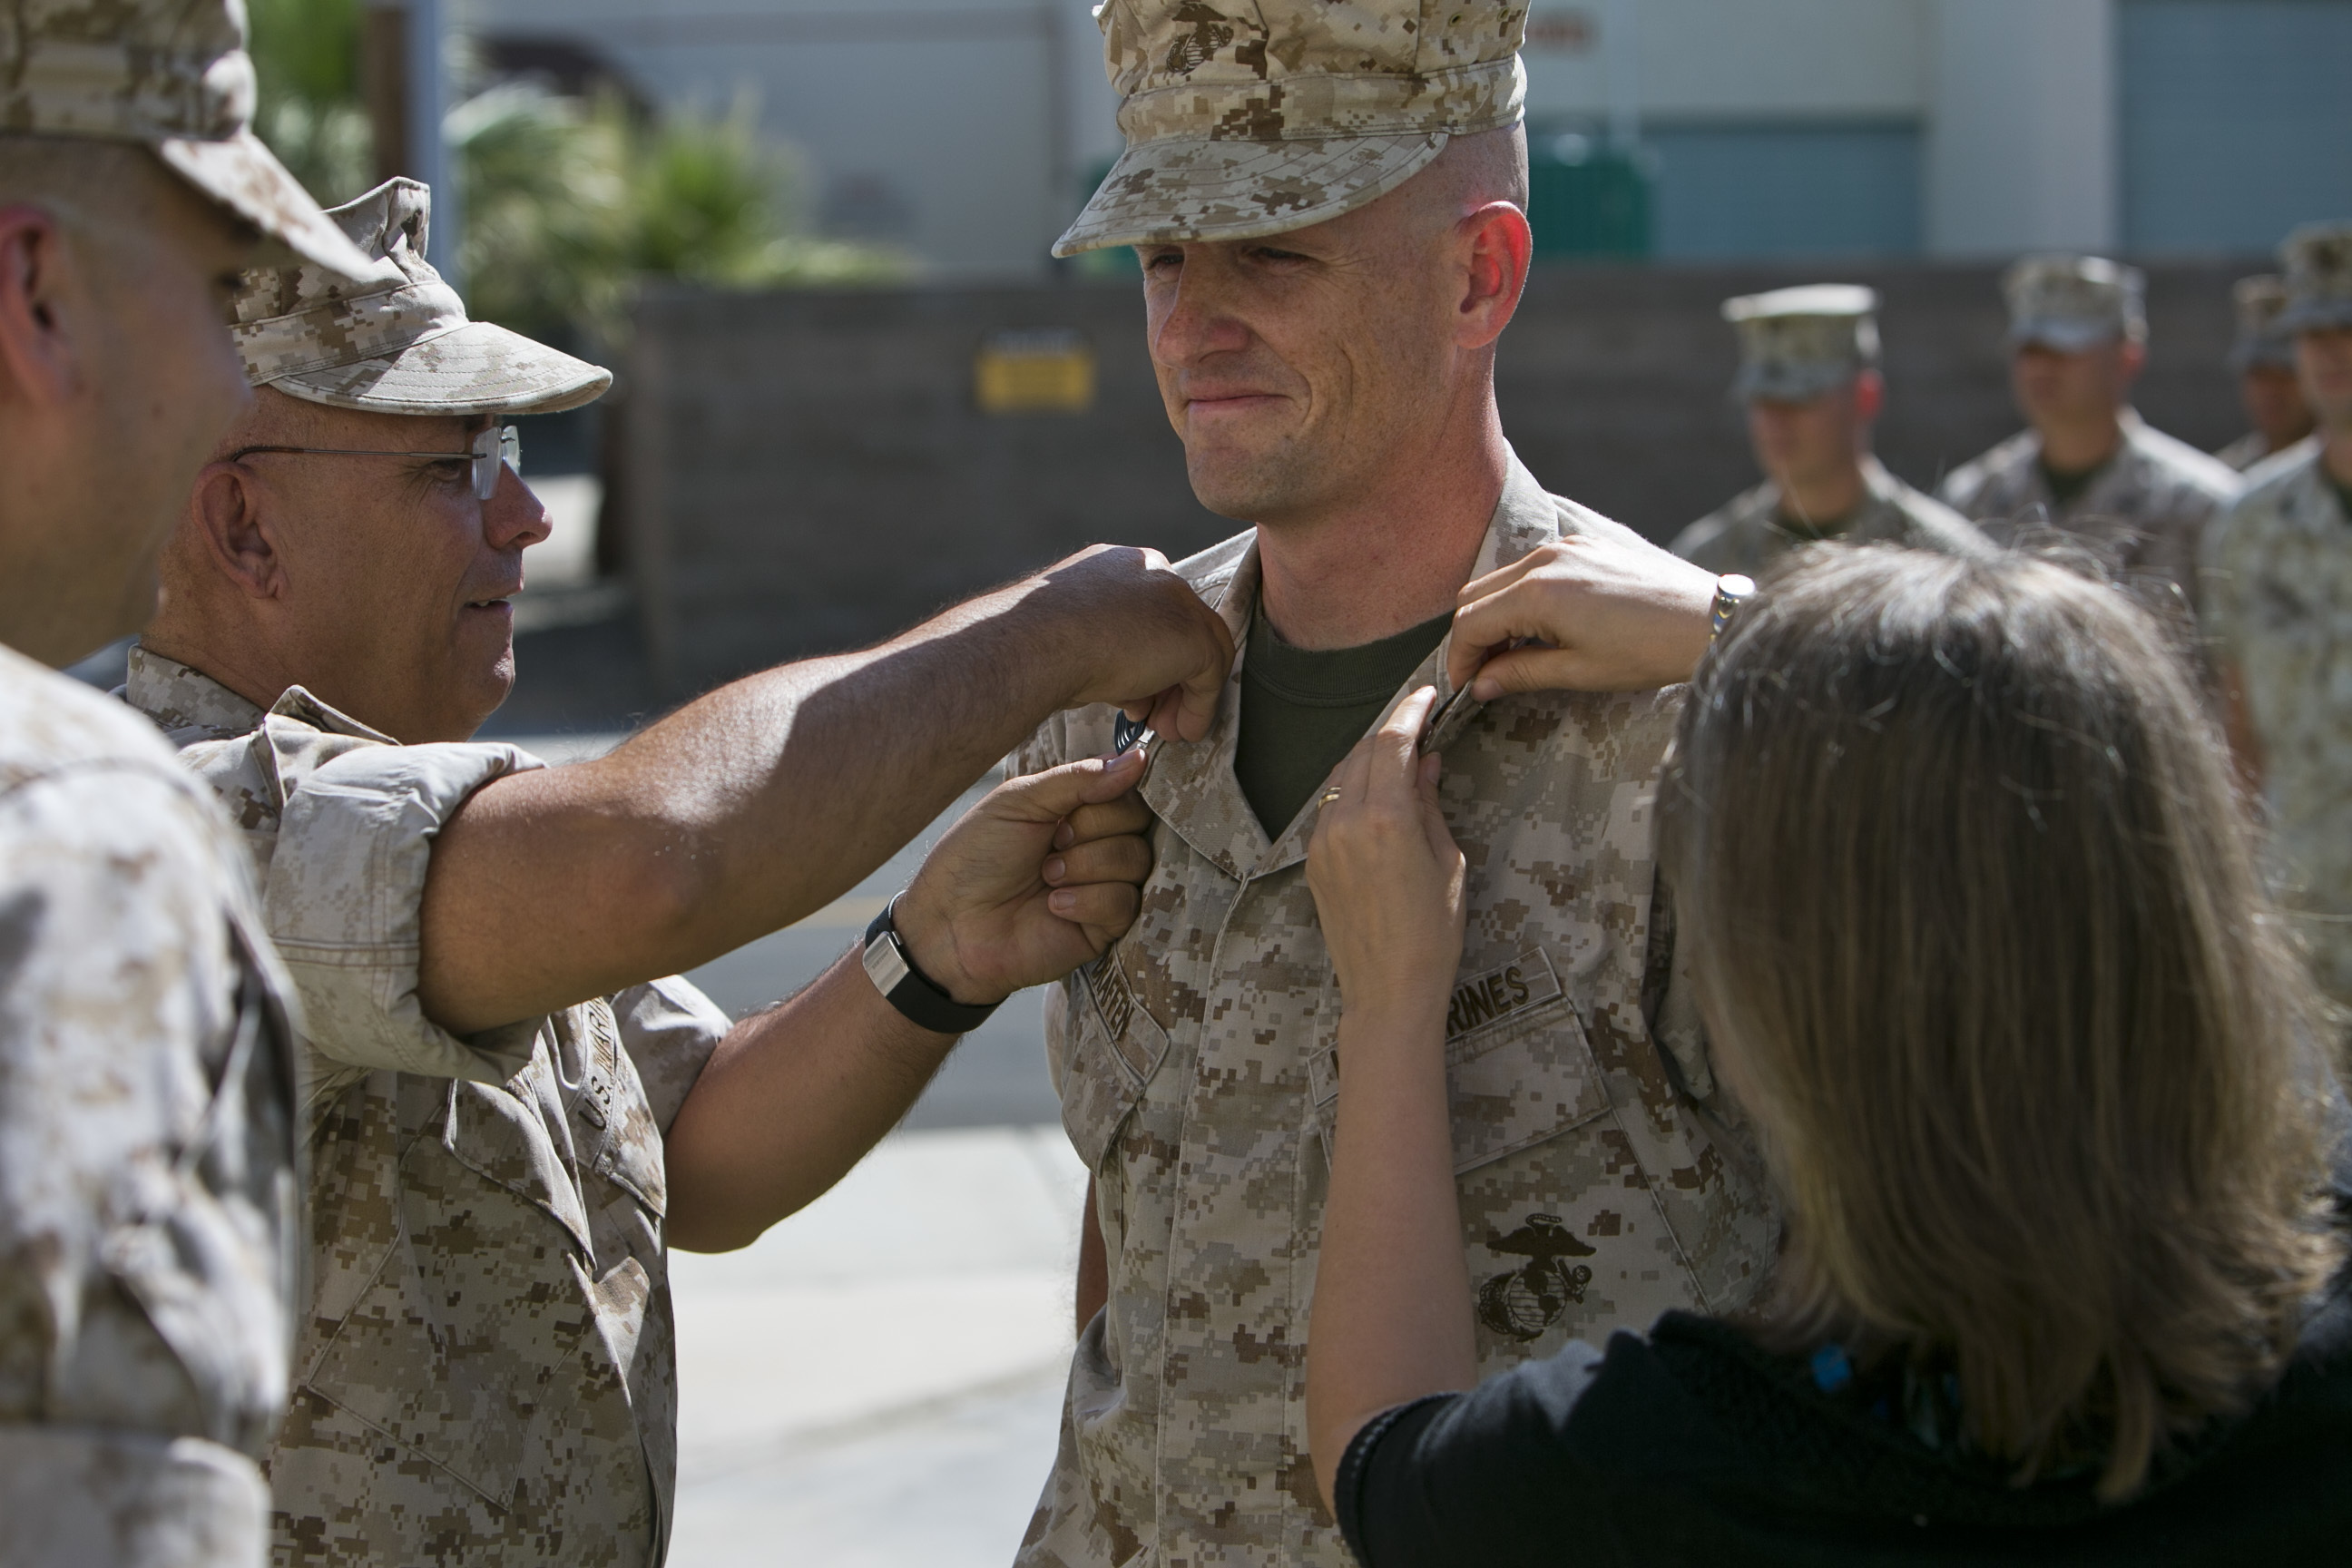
1978,929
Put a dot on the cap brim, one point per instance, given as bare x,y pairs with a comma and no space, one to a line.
1785,383
1207,188
478,368
244,175
2315,315
2066,337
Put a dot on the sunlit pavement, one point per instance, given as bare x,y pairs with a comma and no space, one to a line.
876,1381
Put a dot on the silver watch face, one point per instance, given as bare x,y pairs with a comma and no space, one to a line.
886,962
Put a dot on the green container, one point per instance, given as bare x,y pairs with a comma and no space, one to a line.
1594,206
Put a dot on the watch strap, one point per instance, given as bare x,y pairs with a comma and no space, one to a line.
915,993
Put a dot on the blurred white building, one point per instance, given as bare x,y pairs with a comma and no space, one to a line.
966,130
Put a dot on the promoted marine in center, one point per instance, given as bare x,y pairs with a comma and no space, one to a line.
1329,208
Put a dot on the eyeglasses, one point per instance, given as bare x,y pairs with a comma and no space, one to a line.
495,447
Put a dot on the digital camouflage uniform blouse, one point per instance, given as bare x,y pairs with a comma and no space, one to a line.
1745,534
1198,1082
148,1162
2278,605
2147,507
487,1373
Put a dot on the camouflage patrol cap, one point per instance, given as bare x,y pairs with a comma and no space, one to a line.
397,340
2074,302
2260,301
2318,259
172,74
1248,120
1798,344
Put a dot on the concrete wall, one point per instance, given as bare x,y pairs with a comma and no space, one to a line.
2021,142
809,471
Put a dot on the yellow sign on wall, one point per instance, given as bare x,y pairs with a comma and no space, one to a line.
1048,369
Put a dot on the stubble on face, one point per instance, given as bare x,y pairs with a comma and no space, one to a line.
1302,367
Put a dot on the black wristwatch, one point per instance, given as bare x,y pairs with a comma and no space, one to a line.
915,993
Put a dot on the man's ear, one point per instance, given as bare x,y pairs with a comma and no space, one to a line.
1500,247
1869,396
36,350
2131,355
228,510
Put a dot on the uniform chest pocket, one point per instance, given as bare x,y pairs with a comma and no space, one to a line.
1517,1069
1111,1047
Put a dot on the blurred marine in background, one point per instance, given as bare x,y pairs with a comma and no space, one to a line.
2268,387
1809,378
148,1184
1328,205
2090,465
516,1105
2279,614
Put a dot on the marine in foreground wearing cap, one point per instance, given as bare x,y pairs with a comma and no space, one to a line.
1328,204
2278,591
147,1162
2268,386
512,1112
2089,464
1809,376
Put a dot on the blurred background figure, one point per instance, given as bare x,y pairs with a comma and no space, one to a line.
1809,375
2087,463
2278,591
2264,357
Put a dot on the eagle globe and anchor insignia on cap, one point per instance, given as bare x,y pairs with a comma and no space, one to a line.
1522,1303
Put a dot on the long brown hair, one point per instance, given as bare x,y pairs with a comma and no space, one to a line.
1975,922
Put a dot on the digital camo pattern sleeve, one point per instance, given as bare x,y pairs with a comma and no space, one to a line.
148,1186
343,827
669,1028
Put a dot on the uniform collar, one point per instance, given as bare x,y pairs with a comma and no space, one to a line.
1192,785
182,699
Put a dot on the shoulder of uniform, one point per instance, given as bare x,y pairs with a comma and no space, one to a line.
1575,517
2198,470
2280,470
50,721
1999,458
1212,568
1746,509
1939,522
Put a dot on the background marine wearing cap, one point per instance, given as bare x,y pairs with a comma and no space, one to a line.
2090,465
147,1161
2268,387
2278,611
513,1113
1808,377
1328,204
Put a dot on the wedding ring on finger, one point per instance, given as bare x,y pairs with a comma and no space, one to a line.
1329,796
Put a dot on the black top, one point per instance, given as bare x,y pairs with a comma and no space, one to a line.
1696,1445
1303,709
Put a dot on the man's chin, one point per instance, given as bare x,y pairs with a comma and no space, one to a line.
1245,488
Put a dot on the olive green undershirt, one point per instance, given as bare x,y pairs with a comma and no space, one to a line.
2066,484
1302,710
2343,492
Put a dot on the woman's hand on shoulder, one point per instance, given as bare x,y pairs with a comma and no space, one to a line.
1386,873
1588,612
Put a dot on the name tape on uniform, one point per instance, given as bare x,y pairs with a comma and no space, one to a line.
1528,981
